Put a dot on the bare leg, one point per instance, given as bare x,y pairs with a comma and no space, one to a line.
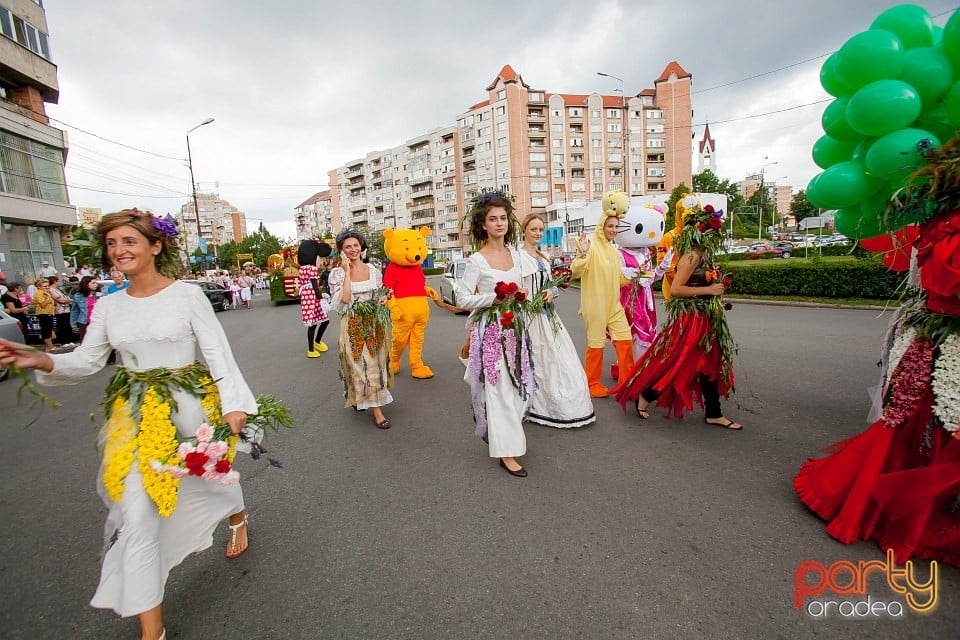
151,623
237,539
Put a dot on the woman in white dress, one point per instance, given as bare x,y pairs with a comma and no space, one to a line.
562,398
156,323
500,368
364,339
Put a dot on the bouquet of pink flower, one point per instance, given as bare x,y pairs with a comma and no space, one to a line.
204,455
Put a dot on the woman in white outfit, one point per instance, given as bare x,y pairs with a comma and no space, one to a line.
500,376
156,323
562,398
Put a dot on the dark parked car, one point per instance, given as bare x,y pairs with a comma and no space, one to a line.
786,247
763,250
220,298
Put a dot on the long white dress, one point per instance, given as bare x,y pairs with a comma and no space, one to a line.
498,407
562,398
162,330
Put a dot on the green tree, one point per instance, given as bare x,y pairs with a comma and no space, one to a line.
801,208
374,240
678,192
82,247
261,244
227,254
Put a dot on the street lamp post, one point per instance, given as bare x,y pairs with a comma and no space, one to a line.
193,184
762,194
623,130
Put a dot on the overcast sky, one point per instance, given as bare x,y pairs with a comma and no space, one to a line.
298,87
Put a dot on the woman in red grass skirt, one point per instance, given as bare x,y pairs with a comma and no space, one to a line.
691,360
898,482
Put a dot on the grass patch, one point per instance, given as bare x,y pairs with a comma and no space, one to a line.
838,302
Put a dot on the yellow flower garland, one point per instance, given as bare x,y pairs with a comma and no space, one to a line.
121,440
157,440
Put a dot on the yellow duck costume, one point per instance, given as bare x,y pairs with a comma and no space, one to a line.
407,249
599,273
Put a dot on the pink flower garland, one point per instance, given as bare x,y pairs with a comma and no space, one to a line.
909,382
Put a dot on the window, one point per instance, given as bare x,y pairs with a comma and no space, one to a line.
538,171
654,128
615,186
557,158
614,143
24,33
596,172
575,112
576,142
466,121
31,169
594,113
596,143
559,173
613,127
534,97
500,110
654,142
538,186
576,157
29,247
501,142
596,127
556,113
613,157
613,113
483,131
501,126
578,185
614,173
656,172
654,113
598,187
556,143
538,157
501,95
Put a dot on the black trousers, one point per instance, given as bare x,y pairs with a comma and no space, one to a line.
711,397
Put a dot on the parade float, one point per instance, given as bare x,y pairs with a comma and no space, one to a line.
283,269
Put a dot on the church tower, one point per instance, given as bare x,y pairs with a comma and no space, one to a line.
708,149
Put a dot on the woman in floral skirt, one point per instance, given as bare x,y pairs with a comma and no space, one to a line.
499,367
898,482
357,294
156,325
691,360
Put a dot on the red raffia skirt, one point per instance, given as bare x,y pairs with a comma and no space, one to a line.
898,487
673,364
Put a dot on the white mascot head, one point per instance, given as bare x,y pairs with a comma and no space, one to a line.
641,227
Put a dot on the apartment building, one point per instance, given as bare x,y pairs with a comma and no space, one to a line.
774,195
34,204
314,216
220,222
408,186
547,150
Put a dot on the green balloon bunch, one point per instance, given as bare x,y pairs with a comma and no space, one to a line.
897,90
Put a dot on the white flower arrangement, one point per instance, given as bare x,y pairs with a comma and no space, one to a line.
904,340
946,384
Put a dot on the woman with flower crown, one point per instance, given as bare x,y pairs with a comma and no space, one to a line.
499,367
562,399
898,482
691,360
156,325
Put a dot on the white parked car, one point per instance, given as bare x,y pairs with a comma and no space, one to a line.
452,274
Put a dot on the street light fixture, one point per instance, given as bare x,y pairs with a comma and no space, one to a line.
762,194
193,182
624,151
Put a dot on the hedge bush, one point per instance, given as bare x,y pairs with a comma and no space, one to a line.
860,279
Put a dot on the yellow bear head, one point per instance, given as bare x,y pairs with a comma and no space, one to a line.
406,247
615,203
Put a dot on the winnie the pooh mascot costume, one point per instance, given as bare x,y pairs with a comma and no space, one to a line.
407,249
598,267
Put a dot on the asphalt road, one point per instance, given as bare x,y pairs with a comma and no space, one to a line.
660,529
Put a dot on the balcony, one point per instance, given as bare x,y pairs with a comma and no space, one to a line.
535,116
420,180
355,172
356,203
360,217
422,193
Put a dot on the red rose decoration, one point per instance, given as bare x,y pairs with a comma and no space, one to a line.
506,319
702,226
938,254
520,296
195,461
223,466
708,208
512,288
715,223
501,290
727,281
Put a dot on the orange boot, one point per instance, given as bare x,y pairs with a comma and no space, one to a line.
624,359
593,367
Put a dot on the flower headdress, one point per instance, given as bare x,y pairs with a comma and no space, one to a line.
702,228
166,225
473,221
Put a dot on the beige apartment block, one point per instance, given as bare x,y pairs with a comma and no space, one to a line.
545,149
412,185
220,222
314,216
